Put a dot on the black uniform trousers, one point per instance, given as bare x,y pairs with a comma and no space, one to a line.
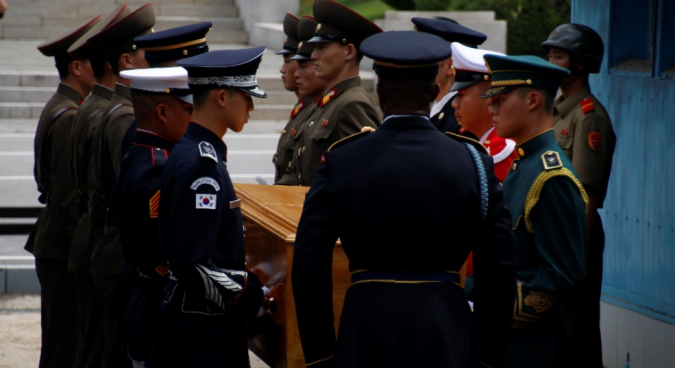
89,320
582,310
58,313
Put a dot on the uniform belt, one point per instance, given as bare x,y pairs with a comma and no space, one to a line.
404,277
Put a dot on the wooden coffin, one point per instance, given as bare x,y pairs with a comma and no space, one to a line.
271,216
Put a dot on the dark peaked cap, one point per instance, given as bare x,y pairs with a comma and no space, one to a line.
82,49
337,23
306,29
58,46
449,31
175,43
225,69
509,72
119,36
291,31
405,54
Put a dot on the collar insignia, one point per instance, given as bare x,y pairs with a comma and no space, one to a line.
206,149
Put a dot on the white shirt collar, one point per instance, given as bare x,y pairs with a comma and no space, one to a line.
439,105
403,116
486,135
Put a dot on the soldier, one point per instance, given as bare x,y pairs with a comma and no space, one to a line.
442,113
584,131
471,80
201,227
107,260
52,235
163,107
82,136
282,158
345,107
405,307
164,49
548,208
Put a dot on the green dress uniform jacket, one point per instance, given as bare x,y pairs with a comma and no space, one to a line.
344,110
302,110
548,210
107,259
54,230
584,131
82,137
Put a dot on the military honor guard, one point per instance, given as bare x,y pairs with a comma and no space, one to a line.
548,209
472,79
584,131
52,236
442,113
163,106
211,294
107,260
405,307
345,107
164,49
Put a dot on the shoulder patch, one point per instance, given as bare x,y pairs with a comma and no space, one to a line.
551,160
206,149
462,139
594,139
205,180
587,105
364,132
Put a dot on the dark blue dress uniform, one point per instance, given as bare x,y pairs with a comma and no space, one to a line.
202,233
548,206
408,203
146,274
450,31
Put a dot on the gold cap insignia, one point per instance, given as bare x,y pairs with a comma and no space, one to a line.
318,27
300,45
185,52
133,47
168,90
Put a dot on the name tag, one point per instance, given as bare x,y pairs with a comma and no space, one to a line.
235,204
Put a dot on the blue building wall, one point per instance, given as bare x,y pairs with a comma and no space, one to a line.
639,213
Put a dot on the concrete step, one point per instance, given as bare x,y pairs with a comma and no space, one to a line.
274,97
16,32
269,112
133,4
463,15
26,94
219,24
14,110
24,8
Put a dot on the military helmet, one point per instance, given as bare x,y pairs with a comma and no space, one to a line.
582,41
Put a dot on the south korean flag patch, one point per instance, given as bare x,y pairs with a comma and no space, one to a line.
205,202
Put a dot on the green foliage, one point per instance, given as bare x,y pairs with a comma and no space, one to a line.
529,21
431,4
369,9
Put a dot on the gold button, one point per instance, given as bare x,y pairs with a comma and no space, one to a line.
487,142
283,132
311,123
529,81
185,52
521,152
303,149
299,176
441,115
515,166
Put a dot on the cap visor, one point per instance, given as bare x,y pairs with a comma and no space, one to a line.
300,57
284,51
254,91
494,91
318,39
186,99
461,85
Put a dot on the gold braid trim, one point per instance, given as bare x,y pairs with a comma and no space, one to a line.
513,82
348,138
320,360
538,185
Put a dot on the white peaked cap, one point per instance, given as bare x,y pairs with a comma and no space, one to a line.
172,80
470,59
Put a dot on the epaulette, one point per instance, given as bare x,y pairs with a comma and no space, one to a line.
364,132
327,97
159,156
587,105
298,107
477,145
551,160
206,149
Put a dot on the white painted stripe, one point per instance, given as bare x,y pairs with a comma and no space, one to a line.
16,135
250,152
17,267
16,258
17,153
17,177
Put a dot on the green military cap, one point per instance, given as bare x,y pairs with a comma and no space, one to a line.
82,49
306,29
119,37
509,72
337,23
291,31
58,46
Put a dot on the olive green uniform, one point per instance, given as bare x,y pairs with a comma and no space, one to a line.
344,110
52,236
107,260
584,131
302,110
548,205
79,262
